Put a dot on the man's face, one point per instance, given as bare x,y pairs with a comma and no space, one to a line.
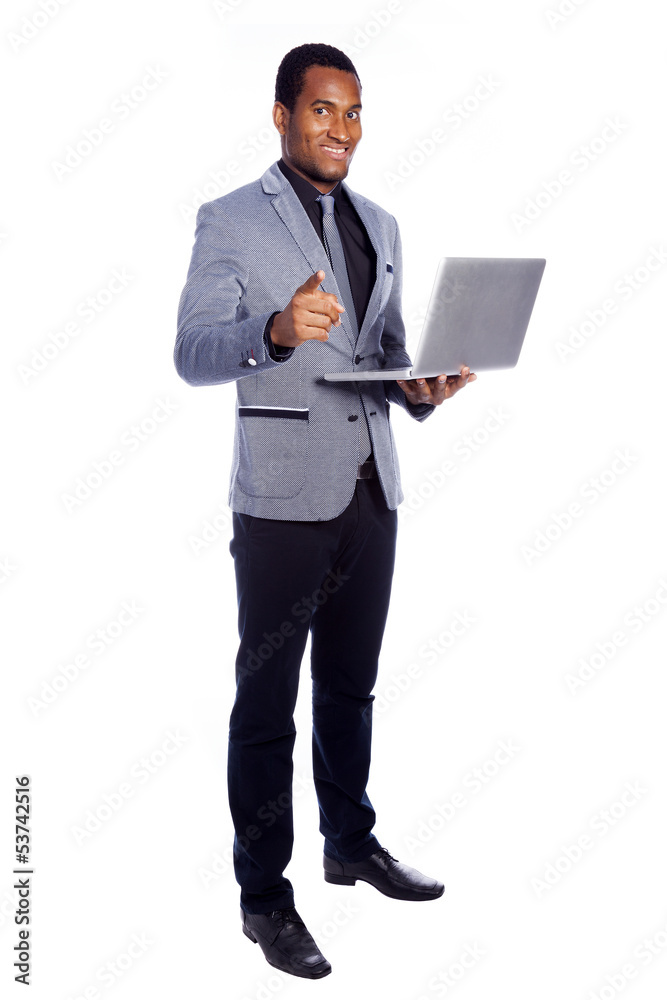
320,136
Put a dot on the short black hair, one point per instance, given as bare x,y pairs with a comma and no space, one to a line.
292,69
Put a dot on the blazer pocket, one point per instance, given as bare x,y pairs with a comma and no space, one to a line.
273,450
386,287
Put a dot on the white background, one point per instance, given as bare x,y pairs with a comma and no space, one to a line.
484,543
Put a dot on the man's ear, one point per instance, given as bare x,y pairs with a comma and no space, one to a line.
280,117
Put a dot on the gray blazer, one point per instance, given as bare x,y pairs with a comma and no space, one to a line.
296,436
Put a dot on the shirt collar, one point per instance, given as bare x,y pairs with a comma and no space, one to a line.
305,191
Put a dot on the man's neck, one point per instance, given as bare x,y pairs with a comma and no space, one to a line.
324,187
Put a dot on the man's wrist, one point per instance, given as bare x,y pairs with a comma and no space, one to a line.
277,352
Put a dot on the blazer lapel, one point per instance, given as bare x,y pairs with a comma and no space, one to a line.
369,217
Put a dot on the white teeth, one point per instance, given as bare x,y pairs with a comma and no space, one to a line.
334,150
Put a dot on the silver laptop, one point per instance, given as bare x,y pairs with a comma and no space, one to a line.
477,316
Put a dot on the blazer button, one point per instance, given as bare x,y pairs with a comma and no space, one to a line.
358,359
353,417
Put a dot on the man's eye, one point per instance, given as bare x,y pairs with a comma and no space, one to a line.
319,109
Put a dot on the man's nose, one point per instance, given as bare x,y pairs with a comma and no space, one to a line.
338,130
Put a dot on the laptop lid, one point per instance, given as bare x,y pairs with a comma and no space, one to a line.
478,314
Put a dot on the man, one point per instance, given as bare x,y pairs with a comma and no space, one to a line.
292,276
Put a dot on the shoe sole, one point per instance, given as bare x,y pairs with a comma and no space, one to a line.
289,972
349,880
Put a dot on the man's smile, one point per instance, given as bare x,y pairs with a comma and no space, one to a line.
336,152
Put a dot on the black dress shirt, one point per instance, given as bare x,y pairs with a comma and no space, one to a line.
360,256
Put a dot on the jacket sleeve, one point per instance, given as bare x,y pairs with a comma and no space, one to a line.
213,345
393,339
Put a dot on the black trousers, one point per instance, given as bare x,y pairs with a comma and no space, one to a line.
334,579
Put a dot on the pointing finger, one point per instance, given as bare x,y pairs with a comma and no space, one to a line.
311,283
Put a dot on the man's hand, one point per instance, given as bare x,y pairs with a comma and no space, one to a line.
434,390
308,315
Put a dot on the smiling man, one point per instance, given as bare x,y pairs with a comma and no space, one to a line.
293,276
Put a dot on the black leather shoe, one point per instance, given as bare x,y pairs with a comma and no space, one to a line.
387,874
286,943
